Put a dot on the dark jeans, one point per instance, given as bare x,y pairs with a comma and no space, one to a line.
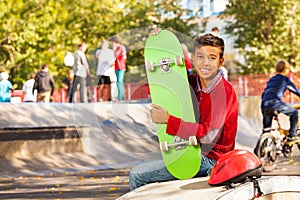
82,84
271,106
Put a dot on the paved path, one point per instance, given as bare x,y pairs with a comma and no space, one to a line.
91,184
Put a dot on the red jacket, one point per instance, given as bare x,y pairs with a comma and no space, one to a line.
218,117
120,54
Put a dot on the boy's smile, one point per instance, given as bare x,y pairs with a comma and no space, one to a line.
206,61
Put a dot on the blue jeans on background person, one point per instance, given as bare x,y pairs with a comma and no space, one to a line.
120,83
270,106
155,171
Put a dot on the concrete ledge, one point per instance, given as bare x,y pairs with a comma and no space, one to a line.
13,134
198,188
280,186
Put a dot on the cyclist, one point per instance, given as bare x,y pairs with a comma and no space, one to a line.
272,99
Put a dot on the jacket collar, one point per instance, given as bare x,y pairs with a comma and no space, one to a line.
215,81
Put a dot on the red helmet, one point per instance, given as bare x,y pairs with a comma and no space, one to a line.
234,167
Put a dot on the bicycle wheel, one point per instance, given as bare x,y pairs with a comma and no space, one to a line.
266,148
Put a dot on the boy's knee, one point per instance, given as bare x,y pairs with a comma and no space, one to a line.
133,180
296,112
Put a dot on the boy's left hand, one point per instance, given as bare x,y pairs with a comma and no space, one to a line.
159,115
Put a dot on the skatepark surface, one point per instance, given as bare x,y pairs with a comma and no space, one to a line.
114,138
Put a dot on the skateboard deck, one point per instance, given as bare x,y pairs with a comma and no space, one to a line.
169,88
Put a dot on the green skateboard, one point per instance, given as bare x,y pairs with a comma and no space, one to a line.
169,88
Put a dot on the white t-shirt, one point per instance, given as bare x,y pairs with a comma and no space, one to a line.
105,60
27,88
224,72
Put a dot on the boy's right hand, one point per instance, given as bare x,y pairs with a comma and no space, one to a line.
158,114
155,31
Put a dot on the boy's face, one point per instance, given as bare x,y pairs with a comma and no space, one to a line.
83,48
206,61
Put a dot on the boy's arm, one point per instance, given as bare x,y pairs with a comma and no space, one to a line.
176,126
222,117
292,88
98,52
52,84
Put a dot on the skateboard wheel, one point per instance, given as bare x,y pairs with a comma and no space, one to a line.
163,146
149,66
178,60
193,140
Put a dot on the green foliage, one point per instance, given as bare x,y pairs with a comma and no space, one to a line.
265,31
34,32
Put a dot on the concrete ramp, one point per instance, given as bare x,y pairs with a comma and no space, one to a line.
112,133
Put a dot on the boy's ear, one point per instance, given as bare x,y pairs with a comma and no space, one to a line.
221,61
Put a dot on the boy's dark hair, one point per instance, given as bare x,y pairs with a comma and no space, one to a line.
115,39
81,44
44,66
209,40
281,65
215,29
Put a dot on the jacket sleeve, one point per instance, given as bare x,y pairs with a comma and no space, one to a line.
52,84
34,85
220,117
78,62
292,88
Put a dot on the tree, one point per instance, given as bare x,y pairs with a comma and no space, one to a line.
265,31
34,32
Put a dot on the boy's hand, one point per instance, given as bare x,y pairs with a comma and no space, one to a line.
159,115
155,31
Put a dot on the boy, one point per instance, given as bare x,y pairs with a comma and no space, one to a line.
44,84
6,88
272,99
218,114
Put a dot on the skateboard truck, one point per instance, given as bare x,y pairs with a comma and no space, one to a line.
164,64
178,143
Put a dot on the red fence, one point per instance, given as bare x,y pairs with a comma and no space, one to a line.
254,85
250,85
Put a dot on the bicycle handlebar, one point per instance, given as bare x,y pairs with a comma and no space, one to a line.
297,106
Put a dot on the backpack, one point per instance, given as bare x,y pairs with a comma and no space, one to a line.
69,59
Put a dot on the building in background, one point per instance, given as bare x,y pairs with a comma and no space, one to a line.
208,11
207,8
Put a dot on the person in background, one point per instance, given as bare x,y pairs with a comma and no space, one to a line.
105,70
44,84
30,95
81,70
120,65
6,88
215,31
272,99
67,84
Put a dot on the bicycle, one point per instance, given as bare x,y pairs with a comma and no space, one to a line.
274,142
